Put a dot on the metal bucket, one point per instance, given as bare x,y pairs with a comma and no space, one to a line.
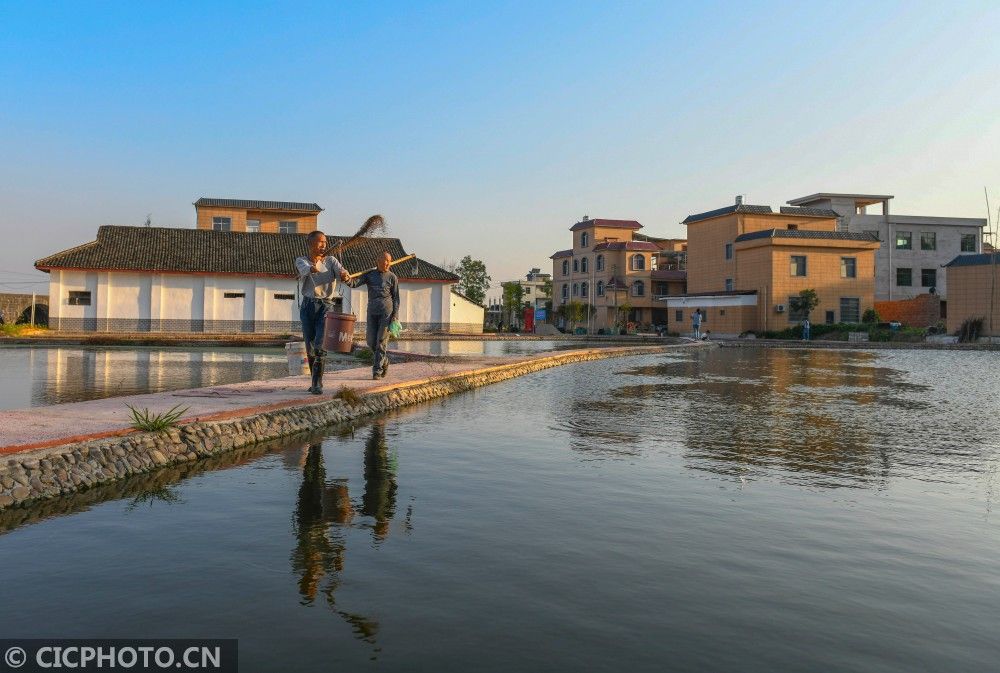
338,332
298,364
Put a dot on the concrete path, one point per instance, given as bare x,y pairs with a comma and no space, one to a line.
41,427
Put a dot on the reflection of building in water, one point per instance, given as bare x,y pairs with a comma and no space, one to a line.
325,513
75,374
798,411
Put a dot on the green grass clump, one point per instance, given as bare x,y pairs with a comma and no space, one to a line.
147,421
365,355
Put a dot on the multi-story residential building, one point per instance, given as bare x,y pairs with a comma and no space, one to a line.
914,247
611,267
269,217
535,288
746,263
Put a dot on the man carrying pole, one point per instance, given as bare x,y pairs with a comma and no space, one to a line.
383,309
318,273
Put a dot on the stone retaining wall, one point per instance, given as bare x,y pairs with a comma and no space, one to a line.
52,472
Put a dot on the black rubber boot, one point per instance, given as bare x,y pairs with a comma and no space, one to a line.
312,383
317,376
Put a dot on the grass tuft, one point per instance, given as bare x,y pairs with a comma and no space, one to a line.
146,420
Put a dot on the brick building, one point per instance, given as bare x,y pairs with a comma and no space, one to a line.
747,262
974,280
267,217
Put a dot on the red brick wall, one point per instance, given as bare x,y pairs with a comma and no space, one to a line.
921,311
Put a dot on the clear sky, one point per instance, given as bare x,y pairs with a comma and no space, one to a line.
485,129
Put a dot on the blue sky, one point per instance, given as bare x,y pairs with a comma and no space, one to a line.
485,129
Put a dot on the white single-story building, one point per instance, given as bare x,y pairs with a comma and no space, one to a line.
159,279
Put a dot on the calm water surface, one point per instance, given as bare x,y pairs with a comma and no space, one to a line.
39,376
717,510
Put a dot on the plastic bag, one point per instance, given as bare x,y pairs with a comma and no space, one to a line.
395,329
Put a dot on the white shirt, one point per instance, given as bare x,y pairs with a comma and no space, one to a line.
318,284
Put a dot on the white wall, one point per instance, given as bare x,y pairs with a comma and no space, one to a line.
466,313
182,297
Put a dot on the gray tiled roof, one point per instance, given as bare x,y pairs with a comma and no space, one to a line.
257,205
207,251
811,212
808,233
561,253
728,210
975,260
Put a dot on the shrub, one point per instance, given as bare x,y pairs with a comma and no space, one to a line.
365,355
870,316
148,421
970,329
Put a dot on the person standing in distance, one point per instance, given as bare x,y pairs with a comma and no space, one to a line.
383,308
318,273
696,323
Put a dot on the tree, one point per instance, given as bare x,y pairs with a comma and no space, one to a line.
546,288
805,302
473,281
574,312
513,300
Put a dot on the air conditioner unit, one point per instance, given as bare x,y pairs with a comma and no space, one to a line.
780,308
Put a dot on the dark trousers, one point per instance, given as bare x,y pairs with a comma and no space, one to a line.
312,313
377,334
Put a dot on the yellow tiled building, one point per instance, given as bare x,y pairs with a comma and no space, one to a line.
612,267
974,283
746,263
269,217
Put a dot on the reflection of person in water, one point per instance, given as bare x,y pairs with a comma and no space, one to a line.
323,515
379,499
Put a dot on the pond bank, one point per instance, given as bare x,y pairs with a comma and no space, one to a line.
65,448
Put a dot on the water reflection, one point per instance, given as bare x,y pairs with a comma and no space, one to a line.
325,512
813,417
44,376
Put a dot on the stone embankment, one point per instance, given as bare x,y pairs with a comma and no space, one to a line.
61,469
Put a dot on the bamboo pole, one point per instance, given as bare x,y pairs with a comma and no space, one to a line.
391,264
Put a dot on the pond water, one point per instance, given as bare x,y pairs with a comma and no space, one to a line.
712,510
39,376
489,347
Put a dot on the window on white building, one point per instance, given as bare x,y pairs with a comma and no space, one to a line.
78,298
600,288
600,262
284,297
583,265
565,267
584,239
584,290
